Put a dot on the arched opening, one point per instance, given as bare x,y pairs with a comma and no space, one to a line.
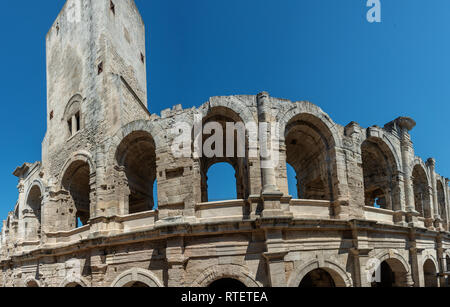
421,191
32,215
378,164
430,274
441,201
447,270
390,274
136,157
309,145
77,182
225,141
226,284
292,182
221,180
32,284
74,285
318,278
136,284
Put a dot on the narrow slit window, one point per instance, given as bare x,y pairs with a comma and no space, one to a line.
100,68
77,118
142,58
69,123
112,7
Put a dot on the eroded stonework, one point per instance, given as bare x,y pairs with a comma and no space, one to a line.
370,212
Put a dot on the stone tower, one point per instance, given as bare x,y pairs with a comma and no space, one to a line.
96,74
96,83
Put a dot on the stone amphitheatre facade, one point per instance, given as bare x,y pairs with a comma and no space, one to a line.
84,216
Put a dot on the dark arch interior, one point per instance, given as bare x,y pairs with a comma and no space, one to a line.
74,285
77,182
378,168
137,284
441,201
239,161
308,153
391,273
318,278
387,277
430,274
32,214
137,155
32,284
421,191
227,283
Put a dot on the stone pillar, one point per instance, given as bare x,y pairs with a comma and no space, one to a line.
265,137
431,163
441,261
270,193
415,269
21,221
175,261
360,261
275,258
74,125
407,124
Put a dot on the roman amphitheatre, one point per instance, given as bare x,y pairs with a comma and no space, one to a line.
369,213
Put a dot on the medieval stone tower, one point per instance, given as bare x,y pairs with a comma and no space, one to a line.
86,214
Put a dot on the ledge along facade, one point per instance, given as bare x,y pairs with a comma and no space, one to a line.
369,213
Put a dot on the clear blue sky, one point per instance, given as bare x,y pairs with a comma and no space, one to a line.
319,50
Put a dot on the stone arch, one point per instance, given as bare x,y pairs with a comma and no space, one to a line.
137,172
31,282
311,151
39,184
397,263
430,270
386,255
32,213
232,271
73,115
338,273
151,127
380,168
230,102
83,156
421,189
223,115
283,118
419,162
74,282
135,275
78,180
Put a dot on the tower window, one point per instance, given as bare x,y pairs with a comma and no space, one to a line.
74,124
77,120
112,7
100,68
142,58
51,115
